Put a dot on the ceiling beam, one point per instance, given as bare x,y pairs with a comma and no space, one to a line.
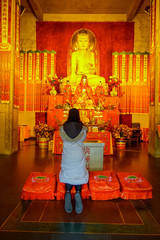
134,9
36,9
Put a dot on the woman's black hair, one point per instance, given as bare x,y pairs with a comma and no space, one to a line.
73,125
73,115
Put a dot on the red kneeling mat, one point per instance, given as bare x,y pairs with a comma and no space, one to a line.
39,185
134,186
103,185
61,189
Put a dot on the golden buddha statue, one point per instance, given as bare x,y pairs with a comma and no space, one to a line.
83,59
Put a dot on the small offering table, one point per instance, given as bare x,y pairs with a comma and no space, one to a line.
94,154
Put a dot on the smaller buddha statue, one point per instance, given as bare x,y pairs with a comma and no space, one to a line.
83,97
67,93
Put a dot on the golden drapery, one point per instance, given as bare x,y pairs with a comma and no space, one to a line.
132,70
35,67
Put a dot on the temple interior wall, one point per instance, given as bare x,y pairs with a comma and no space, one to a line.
28,42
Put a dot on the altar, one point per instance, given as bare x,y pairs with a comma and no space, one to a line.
98,120
110,114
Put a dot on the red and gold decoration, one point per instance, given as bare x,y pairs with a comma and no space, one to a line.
132,71
37,81
17,56
5,50
152,50
35,67
30,81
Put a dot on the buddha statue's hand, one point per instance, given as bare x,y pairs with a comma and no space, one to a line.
90,68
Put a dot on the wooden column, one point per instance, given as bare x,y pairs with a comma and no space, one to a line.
154,140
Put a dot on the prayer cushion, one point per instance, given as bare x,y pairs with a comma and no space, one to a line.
39,185
134,186
61,189
103,185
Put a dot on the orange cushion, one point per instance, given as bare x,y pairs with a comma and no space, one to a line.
103,185
134,186
39,185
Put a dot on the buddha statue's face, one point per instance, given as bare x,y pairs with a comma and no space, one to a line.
83,41
84,80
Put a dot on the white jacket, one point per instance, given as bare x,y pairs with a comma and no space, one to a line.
73,165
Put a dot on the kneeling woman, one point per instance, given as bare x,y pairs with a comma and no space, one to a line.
73,165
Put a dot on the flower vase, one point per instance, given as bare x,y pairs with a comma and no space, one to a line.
121,143
43,142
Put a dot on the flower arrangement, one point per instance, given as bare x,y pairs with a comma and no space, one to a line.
54,82
121,131
113,79
42,130
113,84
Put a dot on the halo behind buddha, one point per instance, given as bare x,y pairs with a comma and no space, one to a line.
92,39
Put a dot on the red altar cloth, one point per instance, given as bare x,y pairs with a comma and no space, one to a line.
39,185
61,191
103,185
134,186
105,137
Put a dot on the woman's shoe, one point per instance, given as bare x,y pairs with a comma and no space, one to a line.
78,205
68,203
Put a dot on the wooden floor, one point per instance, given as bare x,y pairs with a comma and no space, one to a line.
47,220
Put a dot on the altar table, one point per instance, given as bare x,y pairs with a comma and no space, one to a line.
105,137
